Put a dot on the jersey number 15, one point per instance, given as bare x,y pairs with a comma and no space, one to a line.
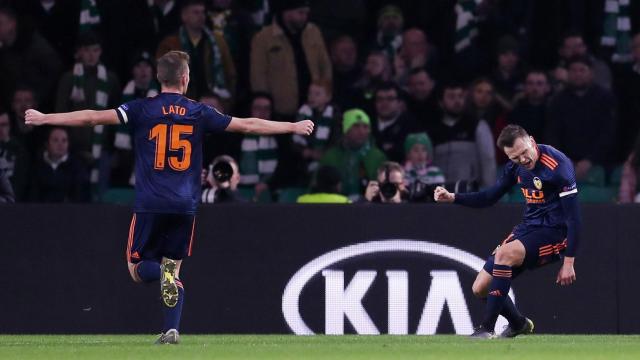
159,134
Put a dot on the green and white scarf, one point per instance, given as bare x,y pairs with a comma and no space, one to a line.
258,159
216,81
89,15
466,23
617,30
323,124
319,139
122,138
78,95
391,45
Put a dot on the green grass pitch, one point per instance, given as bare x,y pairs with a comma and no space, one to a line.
538,347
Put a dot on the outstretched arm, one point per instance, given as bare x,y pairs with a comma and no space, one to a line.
267,127
484,198
74,118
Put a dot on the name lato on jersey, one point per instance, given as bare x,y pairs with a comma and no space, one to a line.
174,110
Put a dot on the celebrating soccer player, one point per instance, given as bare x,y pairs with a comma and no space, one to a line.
167,132
549,231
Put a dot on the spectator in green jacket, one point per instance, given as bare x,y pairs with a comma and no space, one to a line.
356,156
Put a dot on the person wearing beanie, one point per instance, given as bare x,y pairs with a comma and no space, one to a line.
389,35
418,151
356,156
287,56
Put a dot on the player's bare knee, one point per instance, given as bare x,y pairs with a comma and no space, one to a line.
479,289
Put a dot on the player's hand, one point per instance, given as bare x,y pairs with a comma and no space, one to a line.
373,189
441,194
304,127
34,117
566,275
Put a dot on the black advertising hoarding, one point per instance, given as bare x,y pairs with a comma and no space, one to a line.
309,270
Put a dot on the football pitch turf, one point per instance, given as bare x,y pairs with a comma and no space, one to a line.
538,347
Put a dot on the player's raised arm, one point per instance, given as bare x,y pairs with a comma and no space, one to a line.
267,127
74,118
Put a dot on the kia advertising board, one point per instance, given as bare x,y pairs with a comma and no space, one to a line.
310,270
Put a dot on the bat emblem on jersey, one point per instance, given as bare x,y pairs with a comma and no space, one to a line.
537,183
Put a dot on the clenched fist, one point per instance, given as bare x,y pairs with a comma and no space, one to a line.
304,127
441,194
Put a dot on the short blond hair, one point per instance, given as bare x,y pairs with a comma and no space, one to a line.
171,67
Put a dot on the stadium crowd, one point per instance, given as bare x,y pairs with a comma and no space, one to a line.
405,94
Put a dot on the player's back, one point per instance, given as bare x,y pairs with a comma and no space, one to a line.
168,132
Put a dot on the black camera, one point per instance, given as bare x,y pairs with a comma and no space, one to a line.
222,171
388,189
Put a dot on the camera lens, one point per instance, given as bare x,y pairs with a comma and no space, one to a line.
222,171
388,190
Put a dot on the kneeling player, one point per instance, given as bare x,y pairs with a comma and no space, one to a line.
548,233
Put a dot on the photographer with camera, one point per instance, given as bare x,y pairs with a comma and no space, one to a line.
220,182
390,187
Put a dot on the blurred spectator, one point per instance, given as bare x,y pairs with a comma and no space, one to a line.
464,147
572,45
355,156
335,18
221,182
389,186
507,77
628,92
141,85
324,115
31,137
211,68
259,153
14,160
377,70
389,31
287,56
483,105
629,191
56,21
58,176
581,119
415,53
418,167
217,144
166,18
89,85
6,192
422,101
26,58
530,111
235,26
346,71
392,123
326,188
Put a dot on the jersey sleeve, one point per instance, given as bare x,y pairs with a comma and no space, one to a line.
490,195
568,193
565,178
213,120
128,112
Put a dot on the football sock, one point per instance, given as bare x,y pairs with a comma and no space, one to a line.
511,313
148,271
172,314
498,292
